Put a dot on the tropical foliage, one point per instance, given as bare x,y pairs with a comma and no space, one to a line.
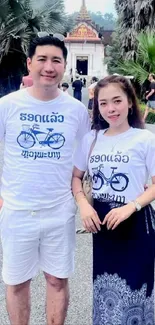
145,58
134,41
113,54
134,16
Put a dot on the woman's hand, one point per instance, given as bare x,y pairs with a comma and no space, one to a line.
89,216
117,215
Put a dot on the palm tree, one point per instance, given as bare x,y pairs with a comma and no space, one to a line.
19,21
133,17
145,58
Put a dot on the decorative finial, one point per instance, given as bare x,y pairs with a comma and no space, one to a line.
83,14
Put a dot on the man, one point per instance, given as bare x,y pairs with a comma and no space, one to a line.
150,97
40,125
77,88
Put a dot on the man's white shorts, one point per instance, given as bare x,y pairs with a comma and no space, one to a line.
33,240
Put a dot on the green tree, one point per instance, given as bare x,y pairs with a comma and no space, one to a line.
108,21
19,21
145,58
113,54
133,17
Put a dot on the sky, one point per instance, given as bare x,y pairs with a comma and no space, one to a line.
93,5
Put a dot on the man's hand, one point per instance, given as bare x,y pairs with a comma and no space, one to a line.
118,215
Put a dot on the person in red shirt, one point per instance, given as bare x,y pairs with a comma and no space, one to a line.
26,82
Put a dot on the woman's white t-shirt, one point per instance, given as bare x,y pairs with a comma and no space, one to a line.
119,165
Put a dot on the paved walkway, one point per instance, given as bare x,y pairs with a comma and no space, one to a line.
80,285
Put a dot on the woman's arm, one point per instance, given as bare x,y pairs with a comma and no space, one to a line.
90,219
148,196
117,215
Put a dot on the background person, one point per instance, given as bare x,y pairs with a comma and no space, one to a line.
65,87
122,220
27,81
77,88
91,89
150,96
84,82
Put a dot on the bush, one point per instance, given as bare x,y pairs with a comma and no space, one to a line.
151,116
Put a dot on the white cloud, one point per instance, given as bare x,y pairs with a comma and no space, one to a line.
92,5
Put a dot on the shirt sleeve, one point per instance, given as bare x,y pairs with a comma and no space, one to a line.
80,158
84,123
3,117
153,86
150,155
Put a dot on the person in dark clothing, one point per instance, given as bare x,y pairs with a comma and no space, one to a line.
84,82
77,88
150,96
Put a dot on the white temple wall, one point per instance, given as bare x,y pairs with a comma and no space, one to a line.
95,54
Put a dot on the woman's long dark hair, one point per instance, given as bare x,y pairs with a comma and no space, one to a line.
134,115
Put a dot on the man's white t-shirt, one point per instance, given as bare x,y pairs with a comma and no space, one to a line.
39,140
119,165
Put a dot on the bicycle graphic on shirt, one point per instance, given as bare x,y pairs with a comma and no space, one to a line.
117,181
29,136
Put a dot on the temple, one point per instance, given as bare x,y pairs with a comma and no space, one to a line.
86,48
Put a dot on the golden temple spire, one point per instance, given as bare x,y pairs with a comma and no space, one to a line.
83,14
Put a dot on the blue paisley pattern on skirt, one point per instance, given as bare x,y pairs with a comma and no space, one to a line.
116,304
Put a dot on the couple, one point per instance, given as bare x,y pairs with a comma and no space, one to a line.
40,126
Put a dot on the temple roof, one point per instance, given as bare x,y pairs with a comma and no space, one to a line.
84,30
83,14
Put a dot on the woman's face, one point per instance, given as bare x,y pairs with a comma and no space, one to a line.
113,105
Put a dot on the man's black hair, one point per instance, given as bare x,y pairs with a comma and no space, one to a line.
46,40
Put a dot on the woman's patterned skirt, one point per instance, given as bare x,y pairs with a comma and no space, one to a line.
123,269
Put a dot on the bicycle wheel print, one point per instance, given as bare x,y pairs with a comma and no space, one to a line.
119,182
97,182
26,140
56,141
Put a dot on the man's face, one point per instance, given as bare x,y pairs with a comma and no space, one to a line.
47,66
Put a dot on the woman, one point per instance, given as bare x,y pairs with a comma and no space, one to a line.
122,220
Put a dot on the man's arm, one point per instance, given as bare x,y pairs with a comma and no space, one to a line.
150,94
3,116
